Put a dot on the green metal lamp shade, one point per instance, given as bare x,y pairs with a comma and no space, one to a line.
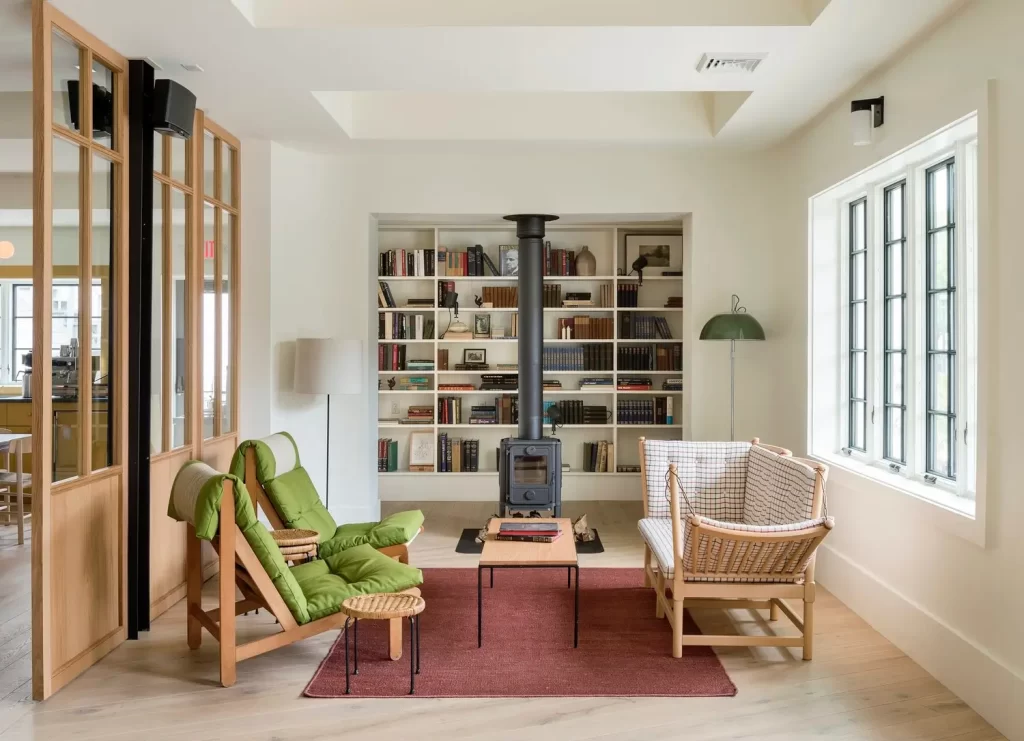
732,327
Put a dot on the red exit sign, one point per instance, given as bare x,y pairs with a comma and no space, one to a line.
208,247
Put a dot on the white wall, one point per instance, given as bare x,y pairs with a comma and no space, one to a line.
953,606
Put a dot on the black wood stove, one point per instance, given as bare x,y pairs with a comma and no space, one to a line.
530,465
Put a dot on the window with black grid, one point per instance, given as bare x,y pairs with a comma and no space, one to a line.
940,320
858,346
894,346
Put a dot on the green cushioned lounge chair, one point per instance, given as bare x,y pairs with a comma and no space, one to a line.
306,599
279,484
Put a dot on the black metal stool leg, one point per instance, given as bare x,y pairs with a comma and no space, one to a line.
347,688
412,656
355,644
419,637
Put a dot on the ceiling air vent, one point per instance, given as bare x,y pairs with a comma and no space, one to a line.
718,63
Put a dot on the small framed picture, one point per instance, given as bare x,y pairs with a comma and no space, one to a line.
663,251
474,356
482,326
509,257
421,450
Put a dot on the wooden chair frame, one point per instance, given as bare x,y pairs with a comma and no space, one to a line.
260,500
240,567
772,555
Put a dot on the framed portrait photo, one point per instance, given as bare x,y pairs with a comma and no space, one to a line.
482,326
663,251
474,356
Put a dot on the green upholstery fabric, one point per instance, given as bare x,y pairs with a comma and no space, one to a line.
207,521
328,582
298,504
395,529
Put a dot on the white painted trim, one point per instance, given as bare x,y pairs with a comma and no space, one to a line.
968,669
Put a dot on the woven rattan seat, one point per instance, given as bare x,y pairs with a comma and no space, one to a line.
290,538
383,606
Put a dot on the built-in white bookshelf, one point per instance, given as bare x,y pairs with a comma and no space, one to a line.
607,242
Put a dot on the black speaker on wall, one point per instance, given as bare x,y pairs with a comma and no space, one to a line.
174,109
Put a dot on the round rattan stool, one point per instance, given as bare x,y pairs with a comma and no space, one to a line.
297,545
384,607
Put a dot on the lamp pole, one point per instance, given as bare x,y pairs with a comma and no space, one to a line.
732,391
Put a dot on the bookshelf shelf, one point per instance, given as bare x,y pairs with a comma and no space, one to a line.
608,243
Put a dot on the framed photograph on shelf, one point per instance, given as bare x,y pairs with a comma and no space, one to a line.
663,251
508,256
421,451
482,326
474,356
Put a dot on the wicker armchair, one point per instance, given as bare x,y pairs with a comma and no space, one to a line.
731,525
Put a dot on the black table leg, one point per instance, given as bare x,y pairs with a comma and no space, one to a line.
418,638
412,655
568,575
355,644
480,606
492,577
347,690
576,613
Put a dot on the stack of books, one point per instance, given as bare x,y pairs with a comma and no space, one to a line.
414,383
499,382
529,531
550,384
456,387
595,383
472,366
674,302
419,416
573,300
483,415
420,303
672,384
417,364
635,384
508,366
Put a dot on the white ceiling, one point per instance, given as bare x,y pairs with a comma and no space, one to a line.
356,73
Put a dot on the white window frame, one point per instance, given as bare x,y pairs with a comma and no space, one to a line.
829,310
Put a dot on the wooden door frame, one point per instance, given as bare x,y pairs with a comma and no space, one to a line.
46,677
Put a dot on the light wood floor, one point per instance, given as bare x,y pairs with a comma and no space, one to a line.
859,686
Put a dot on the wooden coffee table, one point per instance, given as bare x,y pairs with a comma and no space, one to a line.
503,554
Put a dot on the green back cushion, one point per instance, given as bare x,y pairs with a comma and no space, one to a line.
288,486
196,497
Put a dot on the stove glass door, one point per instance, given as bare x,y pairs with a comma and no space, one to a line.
530,470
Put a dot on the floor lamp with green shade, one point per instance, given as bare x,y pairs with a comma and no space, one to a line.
735,326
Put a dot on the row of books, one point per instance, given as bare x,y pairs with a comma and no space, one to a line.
392,326
578,358
633,326
598,456
387,454
656,411
455,455
586,328
449,410
473,261
397,263
652,357
391,357
573,412
499,382
386,299
559,261
501,297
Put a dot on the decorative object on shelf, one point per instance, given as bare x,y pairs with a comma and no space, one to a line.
586,263
509,257
478,301
661,250
326,366
735,326
583,533
421,451
474,355
638,267
391,383
481,326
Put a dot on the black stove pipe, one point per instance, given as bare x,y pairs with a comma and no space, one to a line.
530,231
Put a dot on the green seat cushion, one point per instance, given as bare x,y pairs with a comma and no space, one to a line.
328,582
298,505
395,529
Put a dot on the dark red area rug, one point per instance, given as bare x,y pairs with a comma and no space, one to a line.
624,650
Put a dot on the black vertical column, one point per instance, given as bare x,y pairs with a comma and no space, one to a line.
530,231
140,317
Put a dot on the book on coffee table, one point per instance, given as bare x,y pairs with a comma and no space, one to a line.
539,536
528,526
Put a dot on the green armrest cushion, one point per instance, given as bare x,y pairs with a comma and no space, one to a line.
328,582
395,529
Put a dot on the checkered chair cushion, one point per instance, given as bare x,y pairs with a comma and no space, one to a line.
713,475
779,490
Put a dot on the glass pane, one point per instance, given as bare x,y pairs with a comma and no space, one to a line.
156,348
938,337
858,338
939,378
938,442
180,241
209,321
895,324
102,274
857,375
66,100
530,469
938,260
226,257
227,174
857,268
158,152
894,224
209,143
895,434
894,269
894,390
938,181
22,344
103,119
64,306
858,411
23,300
857,227
178,162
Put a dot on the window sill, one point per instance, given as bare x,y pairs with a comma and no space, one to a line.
935,505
